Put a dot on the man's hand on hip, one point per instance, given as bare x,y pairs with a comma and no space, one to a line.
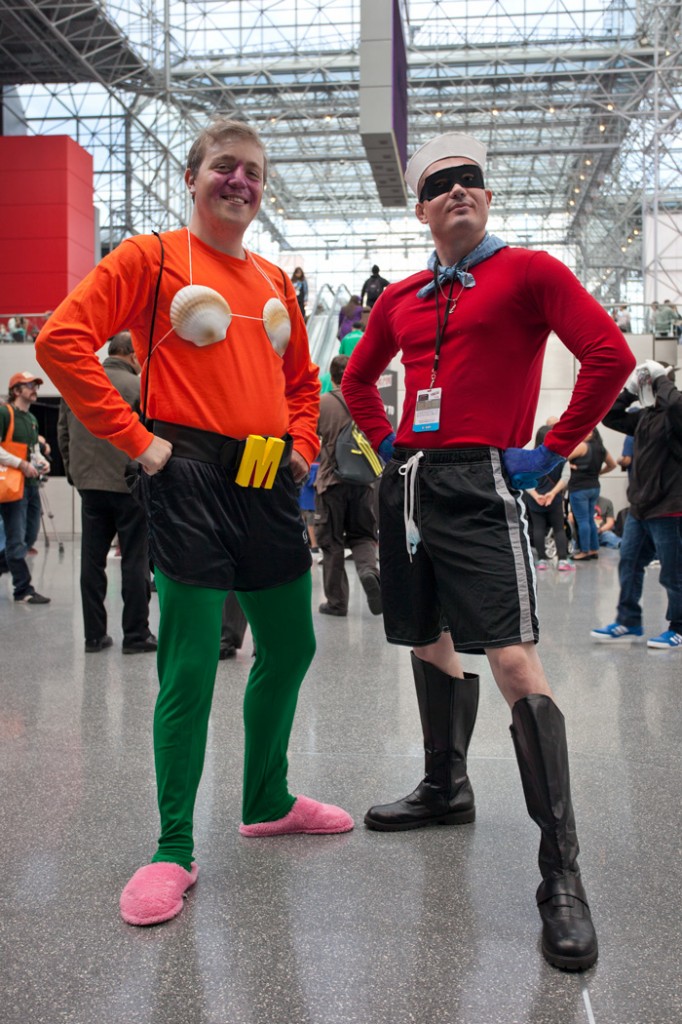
156,455
299,467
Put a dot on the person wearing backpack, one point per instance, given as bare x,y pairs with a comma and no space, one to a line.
344,512
372,288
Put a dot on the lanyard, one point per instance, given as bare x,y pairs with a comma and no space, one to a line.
440,330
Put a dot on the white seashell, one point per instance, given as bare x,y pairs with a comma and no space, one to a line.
200,314
277,325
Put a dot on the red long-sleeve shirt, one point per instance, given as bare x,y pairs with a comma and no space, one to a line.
491,355
235,387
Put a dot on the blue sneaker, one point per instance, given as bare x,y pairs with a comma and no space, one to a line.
669,640
615,631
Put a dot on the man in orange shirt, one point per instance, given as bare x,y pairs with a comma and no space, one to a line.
209,318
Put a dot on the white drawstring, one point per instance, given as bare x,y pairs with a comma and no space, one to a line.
409,470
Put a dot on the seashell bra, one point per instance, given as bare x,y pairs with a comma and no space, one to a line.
201,315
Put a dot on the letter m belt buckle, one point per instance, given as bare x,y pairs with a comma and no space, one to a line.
260,461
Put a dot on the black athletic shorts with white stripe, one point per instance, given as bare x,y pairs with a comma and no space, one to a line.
473,570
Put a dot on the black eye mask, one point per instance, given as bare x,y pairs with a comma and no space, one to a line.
468,175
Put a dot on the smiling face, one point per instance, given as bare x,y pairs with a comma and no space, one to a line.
456,219
227,190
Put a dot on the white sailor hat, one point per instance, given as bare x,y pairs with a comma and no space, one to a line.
440,148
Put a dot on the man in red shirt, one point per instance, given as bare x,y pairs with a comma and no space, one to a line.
454,545
209,318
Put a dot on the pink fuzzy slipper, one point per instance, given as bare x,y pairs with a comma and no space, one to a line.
305,816
154,893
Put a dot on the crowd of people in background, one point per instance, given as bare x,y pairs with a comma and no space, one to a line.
665,320
18,329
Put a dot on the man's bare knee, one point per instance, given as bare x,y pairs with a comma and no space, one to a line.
518,672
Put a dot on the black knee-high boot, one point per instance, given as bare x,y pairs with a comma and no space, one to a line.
447,707
568,936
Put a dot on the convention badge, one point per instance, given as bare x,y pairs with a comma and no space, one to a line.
427,410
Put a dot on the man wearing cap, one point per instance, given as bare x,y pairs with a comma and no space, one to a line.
454,542
19,424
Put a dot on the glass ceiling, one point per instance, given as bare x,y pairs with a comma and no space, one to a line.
579,105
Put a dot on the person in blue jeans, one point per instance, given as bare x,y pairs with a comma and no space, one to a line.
605,520
588,461
654,527
18,424
625,460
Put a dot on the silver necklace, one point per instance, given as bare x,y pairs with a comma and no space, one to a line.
453,302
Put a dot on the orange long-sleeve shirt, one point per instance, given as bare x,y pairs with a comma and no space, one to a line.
236,387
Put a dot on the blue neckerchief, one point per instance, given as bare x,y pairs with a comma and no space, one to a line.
487,247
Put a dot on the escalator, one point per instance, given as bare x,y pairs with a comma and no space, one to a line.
323,325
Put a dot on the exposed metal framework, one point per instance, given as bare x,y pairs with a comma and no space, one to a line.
579,104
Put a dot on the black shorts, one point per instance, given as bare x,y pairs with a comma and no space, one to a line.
473,571
207,531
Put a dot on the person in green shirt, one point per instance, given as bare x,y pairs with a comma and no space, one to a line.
23,392
350,340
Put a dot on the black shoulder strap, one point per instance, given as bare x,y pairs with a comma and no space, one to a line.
150,348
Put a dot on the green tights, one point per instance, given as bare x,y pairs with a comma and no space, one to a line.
187,659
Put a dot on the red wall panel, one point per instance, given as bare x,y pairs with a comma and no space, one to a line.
47,221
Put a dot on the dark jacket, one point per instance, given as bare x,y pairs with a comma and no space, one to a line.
372,289
655,487
91,463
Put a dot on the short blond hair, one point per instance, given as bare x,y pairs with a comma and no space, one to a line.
220,128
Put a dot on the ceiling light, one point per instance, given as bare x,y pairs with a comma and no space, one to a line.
439,113
588,162
602,127
495,112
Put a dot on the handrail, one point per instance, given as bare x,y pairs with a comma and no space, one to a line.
323,324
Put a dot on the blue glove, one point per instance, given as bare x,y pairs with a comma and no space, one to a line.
385,449
526,466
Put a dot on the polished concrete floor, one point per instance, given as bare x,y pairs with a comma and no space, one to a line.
437,926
